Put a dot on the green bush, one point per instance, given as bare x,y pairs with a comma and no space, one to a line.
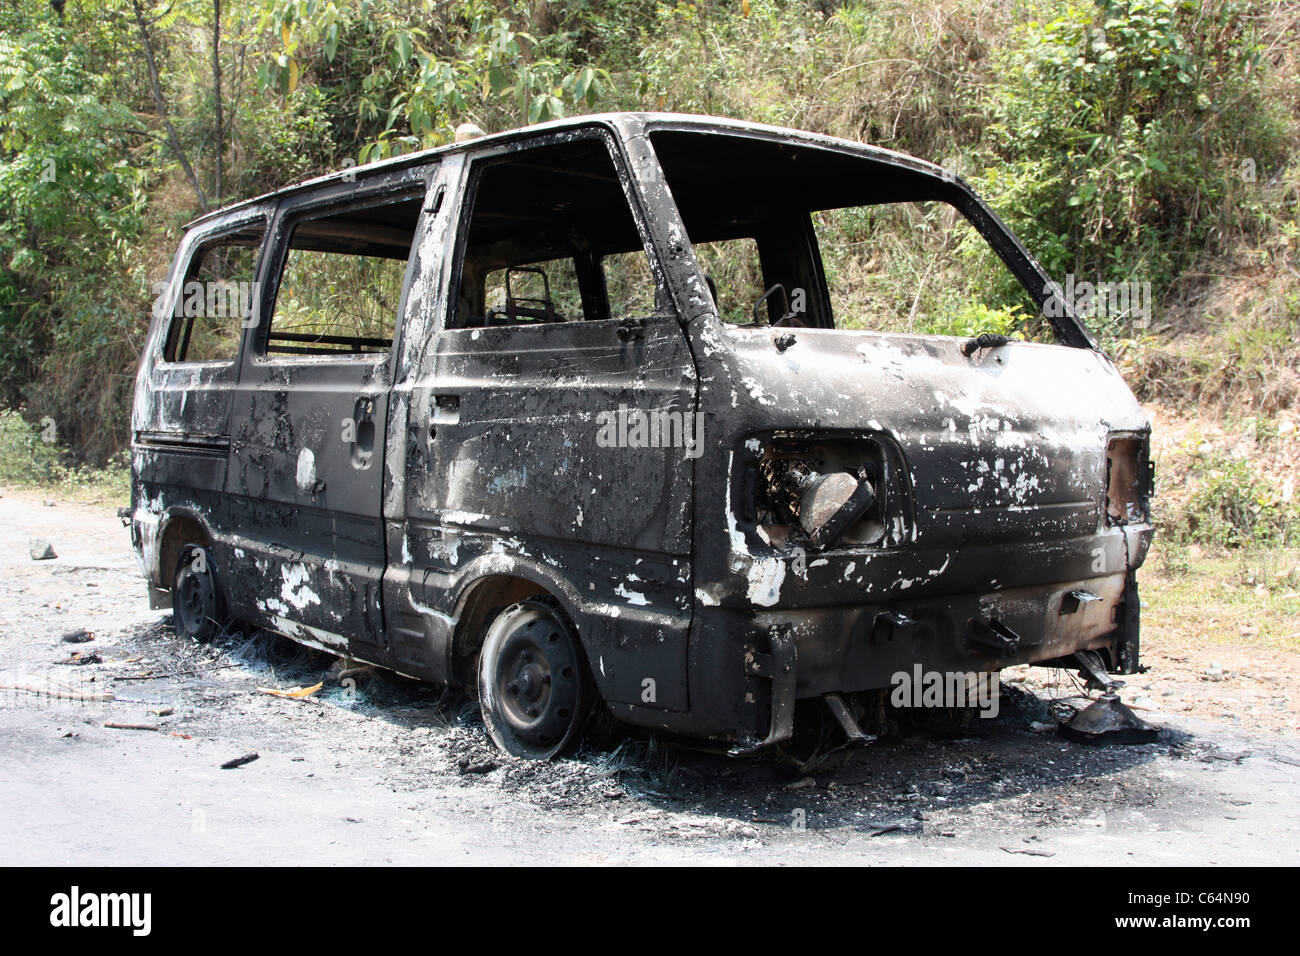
31,456
1119,131
71,206
28,453
1232,505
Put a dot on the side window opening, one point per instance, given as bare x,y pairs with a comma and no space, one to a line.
550,238
216,298
734,272
630,285
341,283
546,291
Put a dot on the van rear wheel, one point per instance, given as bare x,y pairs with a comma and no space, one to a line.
533,684
196,599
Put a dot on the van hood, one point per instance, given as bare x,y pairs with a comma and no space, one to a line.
1006,442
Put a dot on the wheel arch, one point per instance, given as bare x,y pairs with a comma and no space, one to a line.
486,588
180,527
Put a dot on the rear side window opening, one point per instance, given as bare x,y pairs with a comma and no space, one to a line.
550,238
215,300
341,280
809,237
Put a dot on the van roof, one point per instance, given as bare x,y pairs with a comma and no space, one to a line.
615,121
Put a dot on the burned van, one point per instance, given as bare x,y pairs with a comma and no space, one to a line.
643,415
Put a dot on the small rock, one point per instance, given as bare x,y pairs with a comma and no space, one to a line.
1041,727
41,549
79,636
483,766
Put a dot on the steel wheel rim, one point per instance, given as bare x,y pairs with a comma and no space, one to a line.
536,686
194,599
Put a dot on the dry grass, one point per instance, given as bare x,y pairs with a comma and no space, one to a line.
1249,601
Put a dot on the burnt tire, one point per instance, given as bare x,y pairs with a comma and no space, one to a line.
534,689
197,607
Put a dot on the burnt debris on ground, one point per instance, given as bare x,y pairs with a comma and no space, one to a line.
938,777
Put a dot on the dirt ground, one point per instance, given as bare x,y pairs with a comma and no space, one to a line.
371,769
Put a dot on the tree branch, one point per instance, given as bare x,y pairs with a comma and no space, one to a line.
216,97
161,103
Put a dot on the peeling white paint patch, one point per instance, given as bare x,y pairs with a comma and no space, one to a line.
294,588
462,517
332,569
968,403
306,474
756,391
705,598
508,546
312,636
765,578
632,597
448,549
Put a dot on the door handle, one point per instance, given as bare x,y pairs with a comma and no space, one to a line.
446,409
443,410
363,432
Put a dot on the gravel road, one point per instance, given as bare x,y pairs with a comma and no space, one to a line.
375,769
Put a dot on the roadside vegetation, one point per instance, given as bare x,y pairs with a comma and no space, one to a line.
32,458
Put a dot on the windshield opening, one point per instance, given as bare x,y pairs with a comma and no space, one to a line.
803,236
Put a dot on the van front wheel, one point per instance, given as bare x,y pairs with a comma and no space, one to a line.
532,681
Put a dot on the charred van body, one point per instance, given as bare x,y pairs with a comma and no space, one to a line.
581,416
